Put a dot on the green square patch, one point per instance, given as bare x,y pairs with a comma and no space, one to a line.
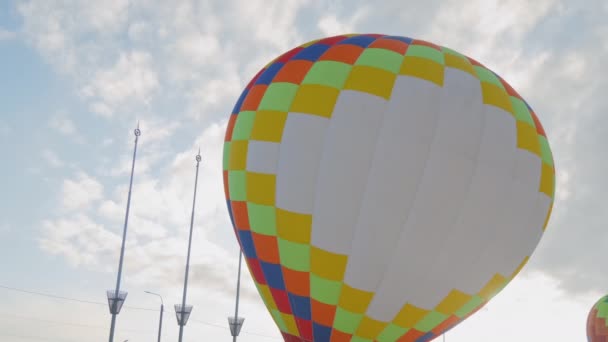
324,290
521,111
486,75
243,125
295,256
425,52
347,321
391,333
471,305
430,321
328,73
360,339
278,96
545,150
452,52
237,185
381,58
262,219
226,157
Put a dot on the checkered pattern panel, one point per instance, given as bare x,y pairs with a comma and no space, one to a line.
597,321
303,284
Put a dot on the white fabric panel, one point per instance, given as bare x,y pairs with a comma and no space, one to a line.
511,228
527,169
522,234
343,172
461,114
262,156
490,189
437,205
499,140
299,159
473,230
460,129
402,149
434,209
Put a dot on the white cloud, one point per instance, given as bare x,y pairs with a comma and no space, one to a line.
132,79
80,240
159,217
138,30
331,25
274,22
7,35
62,124
79,193
51,158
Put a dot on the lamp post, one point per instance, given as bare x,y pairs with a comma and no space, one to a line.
183,311
236,322
162,306
116,298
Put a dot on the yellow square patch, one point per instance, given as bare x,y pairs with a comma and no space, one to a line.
238,155
547,179
294,227
454,301
527,138
290,323
315,99
370,328
492,287
423,68
459,63
354,300
261,188
495,96
266,296
327,265
268,125
371,80
409,316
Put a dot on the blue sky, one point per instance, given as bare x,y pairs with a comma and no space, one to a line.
76,77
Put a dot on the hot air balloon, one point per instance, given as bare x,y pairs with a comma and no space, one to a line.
383,188
597,321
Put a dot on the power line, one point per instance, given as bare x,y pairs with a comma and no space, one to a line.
68,298
81,325
104,304
30,337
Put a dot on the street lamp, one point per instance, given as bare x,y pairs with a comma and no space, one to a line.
183,311
236,322
115,301
117,298
162,307
182,315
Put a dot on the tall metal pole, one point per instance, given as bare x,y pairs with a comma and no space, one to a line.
238,288
160,322
181,326
162,306
137,133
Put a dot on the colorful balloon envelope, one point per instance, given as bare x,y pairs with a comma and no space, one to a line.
383,188
597,321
